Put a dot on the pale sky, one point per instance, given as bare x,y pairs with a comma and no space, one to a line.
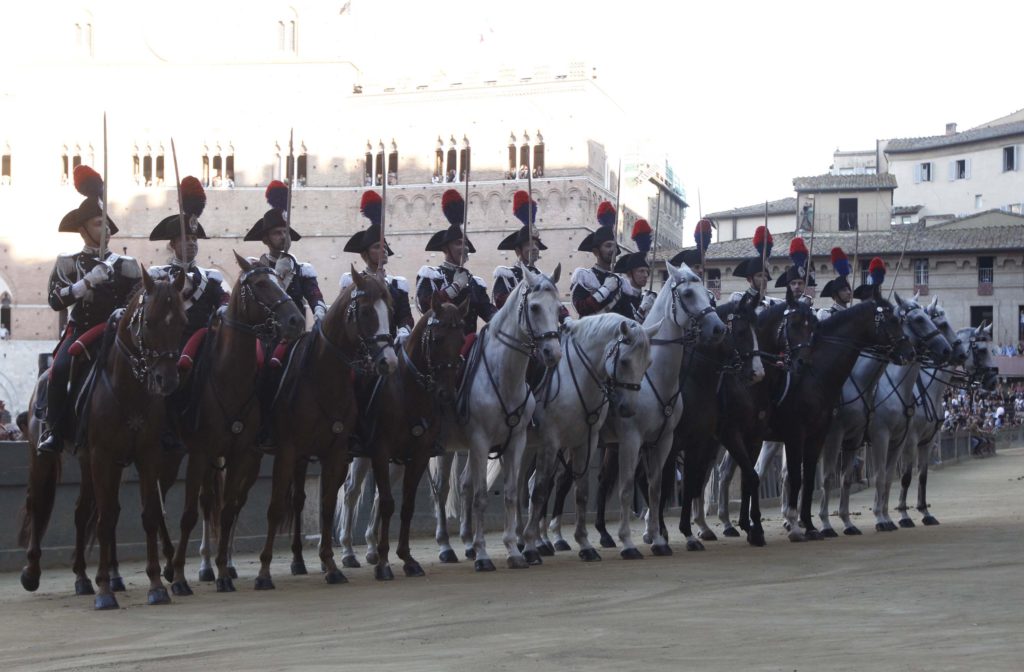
744,96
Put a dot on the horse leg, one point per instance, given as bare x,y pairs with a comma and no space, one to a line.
511,465
668,480
170,463
693,483
544,464
298,566
474,493
116,582
829,465
152,510
284,469
466,489
347,508
924,453
653,460
726,469
106,479
809,451
410,484
333,470
195,475
211,502
440,482
606,479
44,472
582,481
378,527
563,483
629,455
792,484
906,478
85,512
372,532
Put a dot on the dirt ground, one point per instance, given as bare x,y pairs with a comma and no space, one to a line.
938,598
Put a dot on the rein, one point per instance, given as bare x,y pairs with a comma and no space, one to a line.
141,358
270,327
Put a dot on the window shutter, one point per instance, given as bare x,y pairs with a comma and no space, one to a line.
917,173
967,169
1016,157
952,170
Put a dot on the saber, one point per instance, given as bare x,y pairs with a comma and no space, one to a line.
105,232
465,209
291,179
654,245
383,211
856,249
895,277
700,243
618,198
810,251
181,209
764,253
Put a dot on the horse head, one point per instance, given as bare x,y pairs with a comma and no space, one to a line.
888,331
440,341
626,360
366,310
150,333
926,338
741,337
938,317
688,294
259,301
538,313
980,365
787,328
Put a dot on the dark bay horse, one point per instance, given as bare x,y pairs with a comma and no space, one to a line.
405,427
226,419
316,410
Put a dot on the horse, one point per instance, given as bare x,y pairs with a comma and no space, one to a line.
971,350
856,408
894,406
493,410
604,358
810,391
315,410
225,417
405,427
685,319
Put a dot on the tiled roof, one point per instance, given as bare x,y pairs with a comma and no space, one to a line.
830,182
1003,231
784,206
906,209
901,145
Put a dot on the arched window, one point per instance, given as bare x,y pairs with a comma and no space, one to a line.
218,168
464,160
538,156
65,170
451,169
302,166
510,174
378,165
524,158
160,166
83,35
393,163
287,33
136,165
5,166
368,166
229,167
5,316
206,166
439,162
76,160
147,167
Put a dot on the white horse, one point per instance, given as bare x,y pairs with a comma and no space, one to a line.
970,348
683,314
604,358
894,406
495,409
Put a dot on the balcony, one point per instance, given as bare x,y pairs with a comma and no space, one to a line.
985,276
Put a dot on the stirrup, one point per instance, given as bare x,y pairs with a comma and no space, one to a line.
50,443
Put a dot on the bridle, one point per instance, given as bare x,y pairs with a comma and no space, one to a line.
370,348
428,379
529,346
142,359
270,327
694,321
921,346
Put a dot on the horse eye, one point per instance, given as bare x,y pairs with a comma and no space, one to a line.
688,293
535,308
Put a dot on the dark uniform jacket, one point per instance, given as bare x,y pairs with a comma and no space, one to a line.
399,288
97,304
587,298
204,293
433,279
630,301
300,283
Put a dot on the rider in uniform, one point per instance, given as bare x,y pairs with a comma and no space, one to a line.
636,300
91,284
756,272
451,281
693,257
597,289
273,230
205,290
796,278
872,287
526,243
368,244
838,288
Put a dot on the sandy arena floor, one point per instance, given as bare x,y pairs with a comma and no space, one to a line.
940,598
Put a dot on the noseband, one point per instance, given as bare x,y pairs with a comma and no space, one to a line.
922,340
428,379
143,358
370,347
529,346
693,323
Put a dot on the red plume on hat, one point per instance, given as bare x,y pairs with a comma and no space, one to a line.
702,234
88,182
641,235
798,252
840,262
193,196
277,195
521,205
453,206
876,271
370,205
606,214
763,241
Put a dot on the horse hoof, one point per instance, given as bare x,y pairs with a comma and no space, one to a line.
518,562
906,522
852,531
631,554
484,565
648,539
181,588
350,562
335,577
546,549
532,558
232,572
84,587
158,596
755,537
607,541
661,550
448,557
707,535
471,553
413,569
372,558
930,520
299,567
563,545
383,572
829,533
29,582
694,545
787,526
264,583
225,585
730,532
797,536
116,584
207,574
813,535
106,601
520,545
168,573
589,555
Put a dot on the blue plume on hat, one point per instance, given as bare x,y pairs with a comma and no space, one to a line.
641,235
277,195
876,271
606,214
763,241
798,252
840,262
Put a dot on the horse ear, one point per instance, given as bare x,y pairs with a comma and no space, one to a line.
934,304
557,274
242,262
988,330
624,328
358,279
147,281
899,300
652,330
179,282
917,297
676,273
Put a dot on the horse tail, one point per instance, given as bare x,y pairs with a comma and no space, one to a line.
453,507
51,479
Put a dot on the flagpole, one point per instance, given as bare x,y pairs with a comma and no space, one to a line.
654,244
764,253
105,231
291,180
465,209
181,209
899,264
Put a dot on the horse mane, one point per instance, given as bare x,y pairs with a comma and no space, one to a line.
374,287
595,325
843,318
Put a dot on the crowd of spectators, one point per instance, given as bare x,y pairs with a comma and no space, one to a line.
983,414
9,431
1009,349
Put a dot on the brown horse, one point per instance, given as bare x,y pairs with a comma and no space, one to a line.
125,413
227,418
316,407
404,428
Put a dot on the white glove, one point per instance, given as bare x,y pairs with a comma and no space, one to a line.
647,303
459,283
79,289
402,334
101,274
319,312
608,287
